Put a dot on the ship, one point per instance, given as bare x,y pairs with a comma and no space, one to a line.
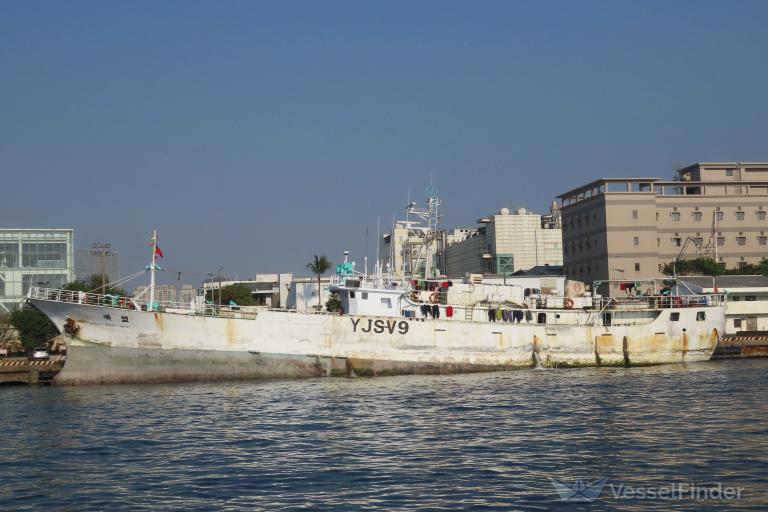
386,325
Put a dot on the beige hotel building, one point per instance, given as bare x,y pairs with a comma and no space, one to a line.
628,228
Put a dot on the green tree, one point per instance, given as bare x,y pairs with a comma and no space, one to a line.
698,266
34,328
238,293
333,303
319,266
92,284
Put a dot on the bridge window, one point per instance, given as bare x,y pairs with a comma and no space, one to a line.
386,302
674,317
701,316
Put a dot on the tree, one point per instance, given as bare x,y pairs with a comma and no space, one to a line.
34,328
239,294
698,266
333,303
319,266
92,284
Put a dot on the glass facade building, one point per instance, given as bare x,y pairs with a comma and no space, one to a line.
33,257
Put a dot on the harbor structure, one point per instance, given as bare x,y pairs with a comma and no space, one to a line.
625,229
165,294
33,257
507,242
99,260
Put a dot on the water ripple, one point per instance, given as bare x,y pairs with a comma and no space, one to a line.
488,441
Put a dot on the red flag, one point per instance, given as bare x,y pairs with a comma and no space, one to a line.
158,251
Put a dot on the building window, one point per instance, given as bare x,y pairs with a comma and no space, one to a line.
739,215
698,241
741,240
658,242
762,240
636,240
742,264
750,298
657,216
9,255
729,172
719,215
675,216
42,255
761,215
634,214
637,267
737,323
677,241
720,241
697,216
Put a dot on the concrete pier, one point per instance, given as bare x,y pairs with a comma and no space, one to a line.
22,370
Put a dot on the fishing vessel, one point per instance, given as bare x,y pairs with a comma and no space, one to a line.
386,326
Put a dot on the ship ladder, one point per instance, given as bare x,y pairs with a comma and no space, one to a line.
469,314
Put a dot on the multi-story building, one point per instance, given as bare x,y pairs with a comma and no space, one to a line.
187,294
628,228
507,242
99,259
165,294
33,257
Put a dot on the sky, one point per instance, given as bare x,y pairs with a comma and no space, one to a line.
253,135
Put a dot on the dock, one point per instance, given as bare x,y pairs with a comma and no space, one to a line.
22,370
745,344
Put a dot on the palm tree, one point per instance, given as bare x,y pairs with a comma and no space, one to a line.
319,266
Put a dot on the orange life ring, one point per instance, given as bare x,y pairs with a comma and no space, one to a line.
568,303
433,298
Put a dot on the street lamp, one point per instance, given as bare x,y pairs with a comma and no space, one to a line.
102,250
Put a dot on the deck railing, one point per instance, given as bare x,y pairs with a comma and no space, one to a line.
130,303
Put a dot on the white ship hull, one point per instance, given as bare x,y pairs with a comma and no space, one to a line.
117,345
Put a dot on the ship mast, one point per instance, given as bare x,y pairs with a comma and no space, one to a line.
431,216
152,266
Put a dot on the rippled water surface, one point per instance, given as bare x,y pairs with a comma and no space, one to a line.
489,441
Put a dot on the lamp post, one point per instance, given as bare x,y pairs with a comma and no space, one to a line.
102,250
220,269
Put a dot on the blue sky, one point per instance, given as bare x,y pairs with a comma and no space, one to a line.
255,134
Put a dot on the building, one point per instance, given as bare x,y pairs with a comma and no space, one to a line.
165,294
747,306
99,259
303,293
505,243
187,294
628,228
33,257
269,290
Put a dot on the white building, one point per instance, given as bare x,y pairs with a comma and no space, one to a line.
747,308
303,293
33,257
505,243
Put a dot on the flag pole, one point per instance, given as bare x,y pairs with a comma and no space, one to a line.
152,273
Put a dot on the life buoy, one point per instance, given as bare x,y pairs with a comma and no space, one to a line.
433,298
577,288
568,303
